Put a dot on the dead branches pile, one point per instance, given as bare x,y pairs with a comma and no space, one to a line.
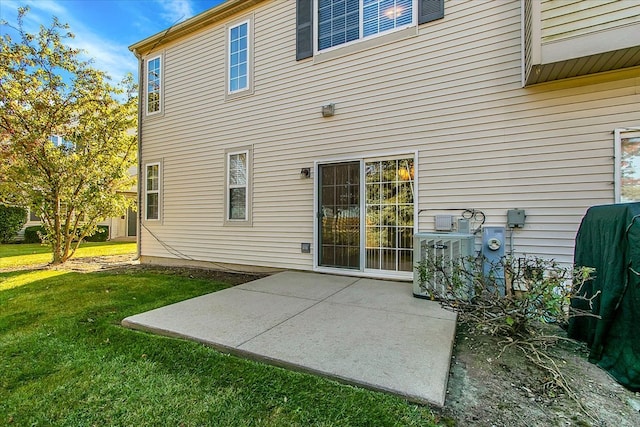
516,300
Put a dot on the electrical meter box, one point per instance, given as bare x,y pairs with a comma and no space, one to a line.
492,254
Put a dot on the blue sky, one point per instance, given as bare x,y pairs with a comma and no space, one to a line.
106,28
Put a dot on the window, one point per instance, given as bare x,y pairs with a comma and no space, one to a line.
323,24
379,16
627,165
60,142
343,21
238,57
239,70
238,189
33,216
152,192
154,85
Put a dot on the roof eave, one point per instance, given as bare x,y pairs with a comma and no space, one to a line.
206,18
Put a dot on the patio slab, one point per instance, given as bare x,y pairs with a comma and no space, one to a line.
365,332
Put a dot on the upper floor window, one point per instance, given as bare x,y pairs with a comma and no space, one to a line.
324,24
239,57
154,85
152,191
343,21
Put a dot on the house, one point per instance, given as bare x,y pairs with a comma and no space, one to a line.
322,134
123,227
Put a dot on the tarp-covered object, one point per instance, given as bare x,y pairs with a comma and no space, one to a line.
609,240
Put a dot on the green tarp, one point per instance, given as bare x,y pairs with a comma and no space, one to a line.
609,240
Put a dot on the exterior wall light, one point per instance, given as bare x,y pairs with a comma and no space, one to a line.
305,173
328,110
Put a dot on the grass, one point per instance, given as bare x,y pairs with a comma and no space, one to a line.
29,254
66,361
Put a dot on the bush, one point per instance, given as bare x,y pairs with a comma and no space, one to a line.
32,234
11,221
101,235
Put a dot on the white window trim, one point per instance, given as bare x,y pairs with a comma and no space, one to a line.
247,220
146,86
382,35
250,55
147,191
619,135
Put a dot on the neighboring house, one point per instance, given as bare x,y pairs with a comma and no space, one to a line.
122,227
321,135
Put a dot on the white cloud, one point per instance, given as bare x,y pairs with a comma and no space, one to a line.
174,11
114,59
109,56
41,12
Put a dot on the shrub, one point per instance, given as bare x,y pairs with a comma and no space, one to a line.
33,234
11,221
101,235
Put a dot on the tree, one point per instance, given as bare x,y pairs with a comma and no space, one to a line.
66,135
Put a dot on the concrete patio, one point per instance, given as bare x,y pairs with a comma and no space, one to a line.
370,333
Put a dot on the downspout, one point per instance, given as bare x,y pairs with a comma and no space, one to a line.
139,183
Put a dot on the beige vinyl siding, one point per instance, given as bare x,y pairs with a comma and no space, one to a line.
568,18
452,94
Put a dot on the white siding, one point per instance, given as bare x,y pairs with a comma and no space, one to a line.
452,94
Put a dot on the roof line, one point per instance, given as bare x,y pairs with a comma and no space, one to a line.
204,19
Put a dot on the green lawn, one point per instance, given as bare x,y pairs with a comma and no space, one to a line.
25,254
66,361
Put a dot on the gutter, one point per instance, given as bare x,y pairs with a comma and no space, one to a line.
191,25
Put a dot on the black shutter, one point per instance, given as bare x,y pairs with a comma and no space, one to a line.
304,29
430,10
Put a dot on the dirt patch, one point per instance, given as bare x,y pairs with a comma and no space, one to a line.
128,263
491,387
489,384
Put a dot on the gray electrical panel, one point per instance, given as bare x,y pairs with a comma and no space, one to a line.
444,222
515,218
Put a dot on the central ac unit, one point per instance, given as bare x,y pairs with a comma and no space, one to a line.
436,256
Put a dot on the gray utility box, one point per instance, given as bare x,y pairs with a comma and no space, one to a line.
440,252
515,218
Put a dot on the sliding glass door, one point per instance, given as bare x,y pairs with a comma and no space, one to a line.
383,241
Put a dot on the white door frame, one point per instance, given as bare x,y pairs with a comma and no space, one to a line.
362,158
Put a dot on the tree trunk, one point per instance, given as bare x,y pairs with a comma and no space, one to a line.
56,237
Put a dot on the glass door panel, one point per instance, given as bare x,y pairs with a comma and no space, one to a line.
339,215
389,207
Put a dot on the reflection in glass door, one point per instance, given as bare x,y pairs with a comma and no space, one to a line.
389,204
339,215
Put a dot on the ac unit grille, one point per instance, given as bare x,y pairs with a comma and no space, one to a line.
440,253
